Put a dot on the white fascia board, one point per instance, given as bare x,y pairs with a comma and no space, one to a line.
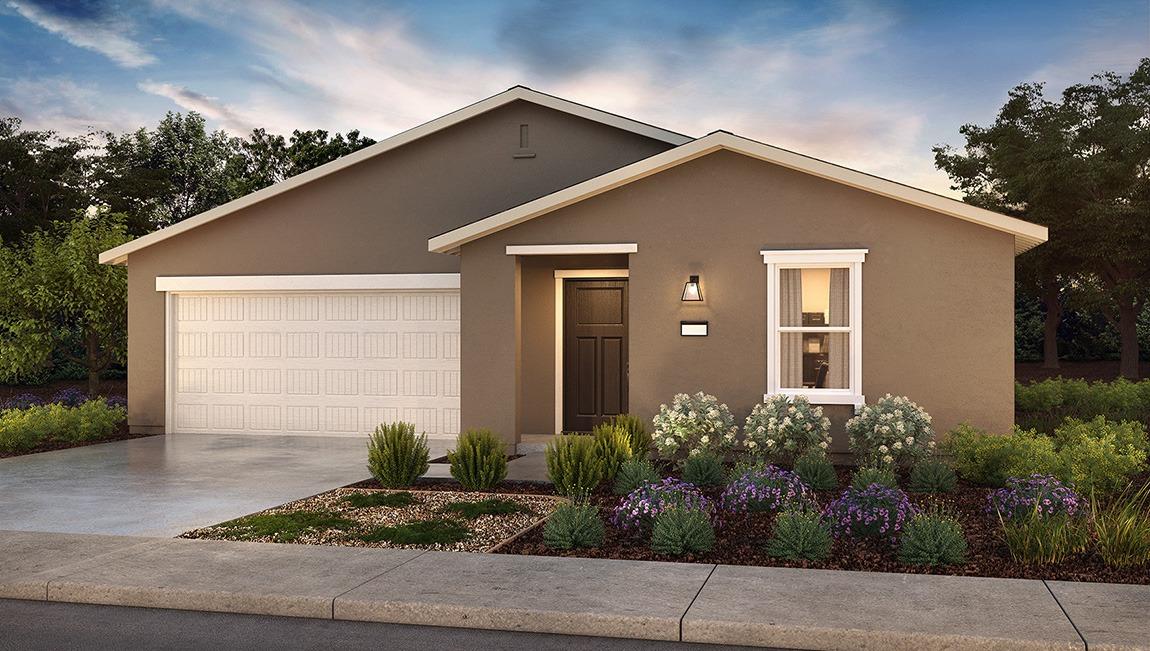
341,282
119,254
1026,235
571,249
813,256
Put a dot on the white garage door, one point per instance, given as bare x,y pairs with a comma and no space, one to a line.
314,363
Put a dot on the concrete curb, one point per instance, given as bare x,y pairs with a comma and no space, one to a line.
794,608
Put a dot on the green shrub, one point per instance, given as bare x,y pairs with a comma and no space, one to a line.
1100,455
421,532
492,506
396,457
1122,528
479,461
573,525
380,498
817,472
634,472
990,459
1036,539
931,476
800,535
932,539
92,420
703,469
25,429
637,434
892,431
574,465
1044,405
864,477
613,447
680,531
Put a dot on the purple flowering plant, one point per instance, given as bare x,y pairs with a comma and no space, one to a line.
873,511
22,401
70,397
1041,494
116,401
637,510
767,488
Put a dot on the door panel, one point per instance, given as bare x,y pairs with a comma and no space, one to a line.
595,352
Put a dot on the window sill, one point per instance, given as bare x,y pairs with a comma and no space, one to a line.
825,396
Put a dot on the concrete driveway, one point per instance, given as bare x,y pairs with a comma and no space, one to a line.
165,485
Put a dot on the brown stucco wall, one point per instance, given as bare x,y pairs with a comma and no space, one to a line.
937,294
373,217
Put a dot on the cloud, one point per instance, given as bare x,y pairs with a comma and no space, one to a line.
209,107
90,25
62,105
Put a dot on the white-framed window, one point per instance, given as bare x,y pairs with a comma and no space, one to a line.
814,324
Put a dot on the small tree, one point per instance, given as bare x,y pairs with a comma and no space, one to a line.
53,288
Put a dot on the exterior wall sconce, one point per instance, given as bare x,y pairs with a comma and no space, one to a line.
691,291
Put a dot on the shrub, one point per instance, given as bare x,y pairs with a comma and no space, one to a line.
637,511
1122,528
873,511
883,476
69,397
1035,538
816,472
634,473
1100,455
785,428
703,469
989,459
396,457
21,401
894,430
680,531
479,460
932,539
89,421
116,401
765,489
1041,494
1044,405
25,429
800,535
637,434
693,424
931,476
574,465
573,525
613,447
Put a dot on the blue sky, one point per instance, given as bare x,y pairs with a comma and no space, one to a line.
872,85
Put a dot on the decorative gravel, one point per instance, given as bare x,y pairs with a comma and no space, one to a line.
486,531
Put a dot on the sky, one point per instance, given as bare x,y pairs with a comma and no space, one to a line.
867,84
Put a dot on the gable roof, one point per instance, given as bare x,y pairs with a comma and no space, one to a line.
119,255
1026,234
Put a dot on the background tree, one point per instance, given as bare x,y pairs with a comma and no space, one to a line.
52,288
264,158
41,178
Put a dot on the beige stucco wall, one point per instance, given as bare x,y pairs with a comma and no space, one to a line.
373,217
937,294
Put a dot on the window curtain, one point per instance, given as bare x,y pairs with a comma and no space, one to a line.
838,375
791,314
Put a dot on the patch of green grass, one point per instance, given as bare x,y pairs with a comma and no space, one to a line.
367,500
423,532
490,506
282,527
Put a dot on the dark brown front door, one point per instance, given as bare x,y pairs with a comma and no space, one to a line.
594,352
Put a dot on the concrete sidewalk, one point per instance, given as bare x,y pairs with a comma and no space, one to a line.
809,609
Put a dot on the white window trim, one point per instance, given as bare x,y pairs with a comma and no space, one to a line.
327,283
821,259
560,275
571,249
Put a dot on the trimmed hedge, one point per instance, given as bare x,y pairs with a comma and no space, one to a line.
1044,405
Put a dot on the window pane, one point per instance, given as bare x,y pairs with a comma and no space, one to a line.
814,360
814,297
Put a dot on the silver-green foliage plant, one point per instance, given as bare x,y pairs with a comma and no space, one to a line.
817,472
634,473
892,431
479,460
866,476
800,535
931,476
573,525
397,457
932,539
612,446
784,428
574,465
636,432
703,469
679,531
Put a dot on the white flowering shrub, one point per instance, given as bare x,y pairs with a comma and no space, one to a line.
693,424
784,428
892,431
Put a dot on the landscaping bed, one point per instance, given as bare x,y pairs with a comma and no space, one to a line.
121,434
443,520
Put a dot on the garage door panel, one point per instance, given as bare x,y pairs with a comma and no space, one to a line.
338,363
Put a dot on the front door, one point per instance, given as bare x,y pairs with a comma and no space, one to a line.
594,352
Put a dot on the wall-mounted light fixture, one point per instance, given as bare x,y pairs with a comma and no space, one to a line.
691,291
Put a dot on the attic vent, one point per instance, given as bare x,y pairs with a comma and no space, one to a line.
524,143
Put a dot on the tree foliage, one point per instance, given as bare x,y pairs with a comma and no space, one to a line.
42,177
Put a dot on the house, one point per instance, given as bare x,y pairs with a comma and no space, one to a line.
532,265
